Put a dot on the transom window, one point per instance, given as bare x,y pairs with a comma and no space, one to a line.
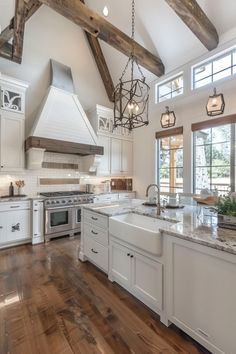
170,163
170,88
214,159
216,69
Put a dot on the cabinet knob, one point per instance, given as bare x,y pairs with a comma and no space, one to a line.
1,166
128,254
1,227
131,256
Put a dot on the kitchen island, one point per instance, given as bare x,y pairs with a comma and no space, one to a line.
190,282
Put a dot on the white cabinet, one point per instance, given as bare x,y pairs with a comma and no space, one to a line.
127,195
127,157
120,265
12,123
15,223
37,222
106,198
12,129
116,157
139,274
121,157
94,239
104,167
201,293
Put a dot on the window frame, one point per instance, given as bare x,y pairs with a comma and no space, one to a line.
232,142
161,135
211,61
165,82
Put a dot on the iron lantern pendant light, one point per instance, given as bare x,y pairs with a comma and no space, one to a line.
131,97
168,118
216,104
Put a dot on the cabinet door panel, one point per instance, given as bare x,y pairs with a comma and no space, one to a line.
3,228
104,166
127,157
120,265
18,225
116,150
12,140
147,280
203,295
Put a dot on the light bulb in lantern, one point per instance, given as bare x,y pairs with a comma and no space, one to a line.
105,11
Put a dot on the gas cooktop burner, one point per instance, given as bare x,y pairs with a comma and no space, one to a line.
63,194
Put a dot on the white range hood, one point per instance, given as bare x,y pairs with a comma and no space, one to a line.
61,125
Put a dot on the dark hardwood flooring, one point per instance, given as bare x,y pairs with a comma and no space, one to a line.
50,303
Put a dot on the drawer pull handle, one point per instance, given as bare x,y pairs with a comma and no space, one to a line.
93,251
203,333
15,227
94,218
93,232
35,210
15,206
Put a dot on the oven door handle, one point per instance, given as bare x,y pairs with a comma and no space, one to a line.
60,207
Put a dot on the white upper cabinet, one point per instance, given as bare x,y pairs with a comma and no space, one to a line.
12,123
104,167
12,142
118,144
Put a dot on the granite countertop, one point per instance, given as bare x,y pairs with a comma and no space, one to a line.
193,223
20,199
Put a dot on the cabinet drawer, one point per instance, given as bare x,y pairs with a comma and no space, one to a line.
123,196
96,253
96,219
96,233
15,205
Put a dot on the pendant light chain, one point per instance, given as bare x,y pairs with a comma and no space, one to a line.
131,96
132,36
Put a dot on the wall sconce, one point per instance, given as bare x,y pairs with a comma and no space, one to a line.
168,118
216,104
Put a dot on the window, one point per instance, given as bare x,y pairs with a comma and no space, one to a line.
170,89
215,69
214,159
170,162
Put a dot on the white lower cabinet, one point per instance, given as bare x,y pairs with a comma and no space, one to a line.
94,239
139,274
37,222
201,293
15,223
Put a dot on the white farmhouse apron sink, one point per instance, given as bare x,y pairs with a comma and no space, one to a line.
138,230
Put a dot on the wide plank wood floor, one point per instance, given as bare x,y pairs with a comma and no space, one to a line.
50,303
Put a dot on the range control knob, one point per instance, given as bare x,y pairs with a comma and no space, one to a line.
63,201
58,202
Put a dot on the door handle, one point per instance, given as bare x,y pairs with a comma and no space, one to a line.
93,232
15,227
93,251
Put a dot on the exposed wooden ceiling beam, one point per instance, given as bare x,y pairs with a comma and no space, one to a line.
97,26
19,29
194,17
101,64
31,7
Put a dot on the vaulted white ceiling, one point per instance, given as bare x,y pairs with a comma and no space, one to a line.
158,28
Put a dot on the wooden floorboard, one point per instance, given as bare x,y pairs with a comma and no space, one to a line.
51,303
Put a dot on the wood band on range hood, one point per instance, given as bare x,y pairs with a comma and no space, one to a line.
63,147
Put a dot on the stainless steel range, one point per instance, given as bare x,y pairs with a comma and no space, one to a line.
63,212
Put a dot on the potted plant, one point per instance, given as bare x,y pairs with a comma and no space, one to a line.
226,209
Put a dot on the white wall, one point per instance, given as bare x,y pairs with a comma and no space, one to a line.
189,108
49,35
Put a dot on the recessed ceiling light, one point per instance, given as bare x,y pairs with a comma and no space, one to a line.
105,11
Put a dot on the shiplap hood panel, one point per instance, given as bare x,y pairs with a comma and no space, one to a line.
61,118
